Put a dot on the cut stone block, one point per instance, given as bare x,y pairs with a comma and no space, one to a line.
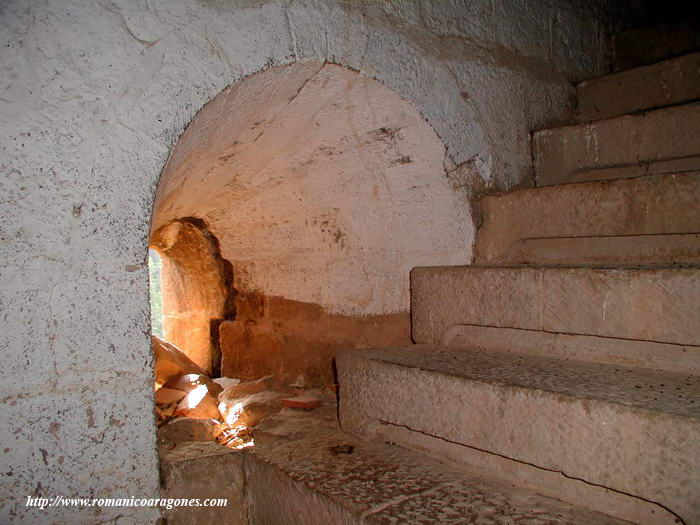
632,431
647,220
205,471
303,470
672,358
652,304
674,81
575,153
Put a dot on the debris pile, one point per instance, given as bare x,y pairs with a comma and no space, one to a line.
191,406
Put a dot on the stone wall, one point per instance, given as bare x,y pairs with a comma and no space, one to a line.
95,94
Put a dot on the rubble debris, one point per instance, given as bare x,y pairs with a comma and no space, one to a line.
189,382
183,429
170,361
199,404
301,402
225,382
165,396
249,410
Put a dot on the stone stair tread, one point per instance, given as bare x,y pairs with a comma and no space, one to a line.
623,429
647,221
672,81
589,151
372,482
649,390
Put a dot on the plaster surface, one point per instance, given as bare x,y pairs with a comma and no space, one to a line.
93,97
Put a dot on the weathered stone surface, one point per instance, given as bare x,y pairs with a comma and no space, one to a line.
670,82
297,341
198,404
653,304
653,43
631,430
304,470
626,352
250,409
204,471
248,387
182,429
635,250
196,288
647,220
572,153
165,396
301,402
170,361
542,481
189,382
225,382
89,119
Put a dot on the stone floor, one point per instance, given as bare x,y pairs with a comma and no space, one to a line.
364,482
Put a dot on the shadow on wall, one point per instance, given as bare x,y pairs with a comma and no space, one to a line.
323,188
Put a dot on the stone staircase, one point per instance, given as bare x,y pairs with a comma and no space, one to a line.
566,360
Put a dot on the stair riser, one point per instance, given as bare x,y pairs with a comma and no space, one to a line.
677,359
611,445
650,220
563,155
651,305
670,82
635,250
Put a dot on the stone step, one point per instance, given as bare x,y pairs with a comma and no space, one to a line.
653,220
660,141
677,359
304,470
666,83
569,426
649,304
650,44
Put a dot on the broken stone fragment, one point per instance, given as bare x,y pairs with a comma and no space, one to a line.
247,388
198,404
301,402
189,382
183,429
165,396
226,382
248,410
170,361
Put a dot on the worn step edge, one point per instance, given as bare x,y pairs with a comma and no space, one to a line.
669,82
564,154
546,482
370,482
672,166
590,211
633,251
678,359
635,304
538,426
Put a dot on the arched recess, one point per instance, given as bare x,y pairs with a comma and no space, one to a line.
323,188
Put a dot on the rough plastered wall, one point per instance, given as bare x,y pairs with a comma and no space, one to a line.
93,96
